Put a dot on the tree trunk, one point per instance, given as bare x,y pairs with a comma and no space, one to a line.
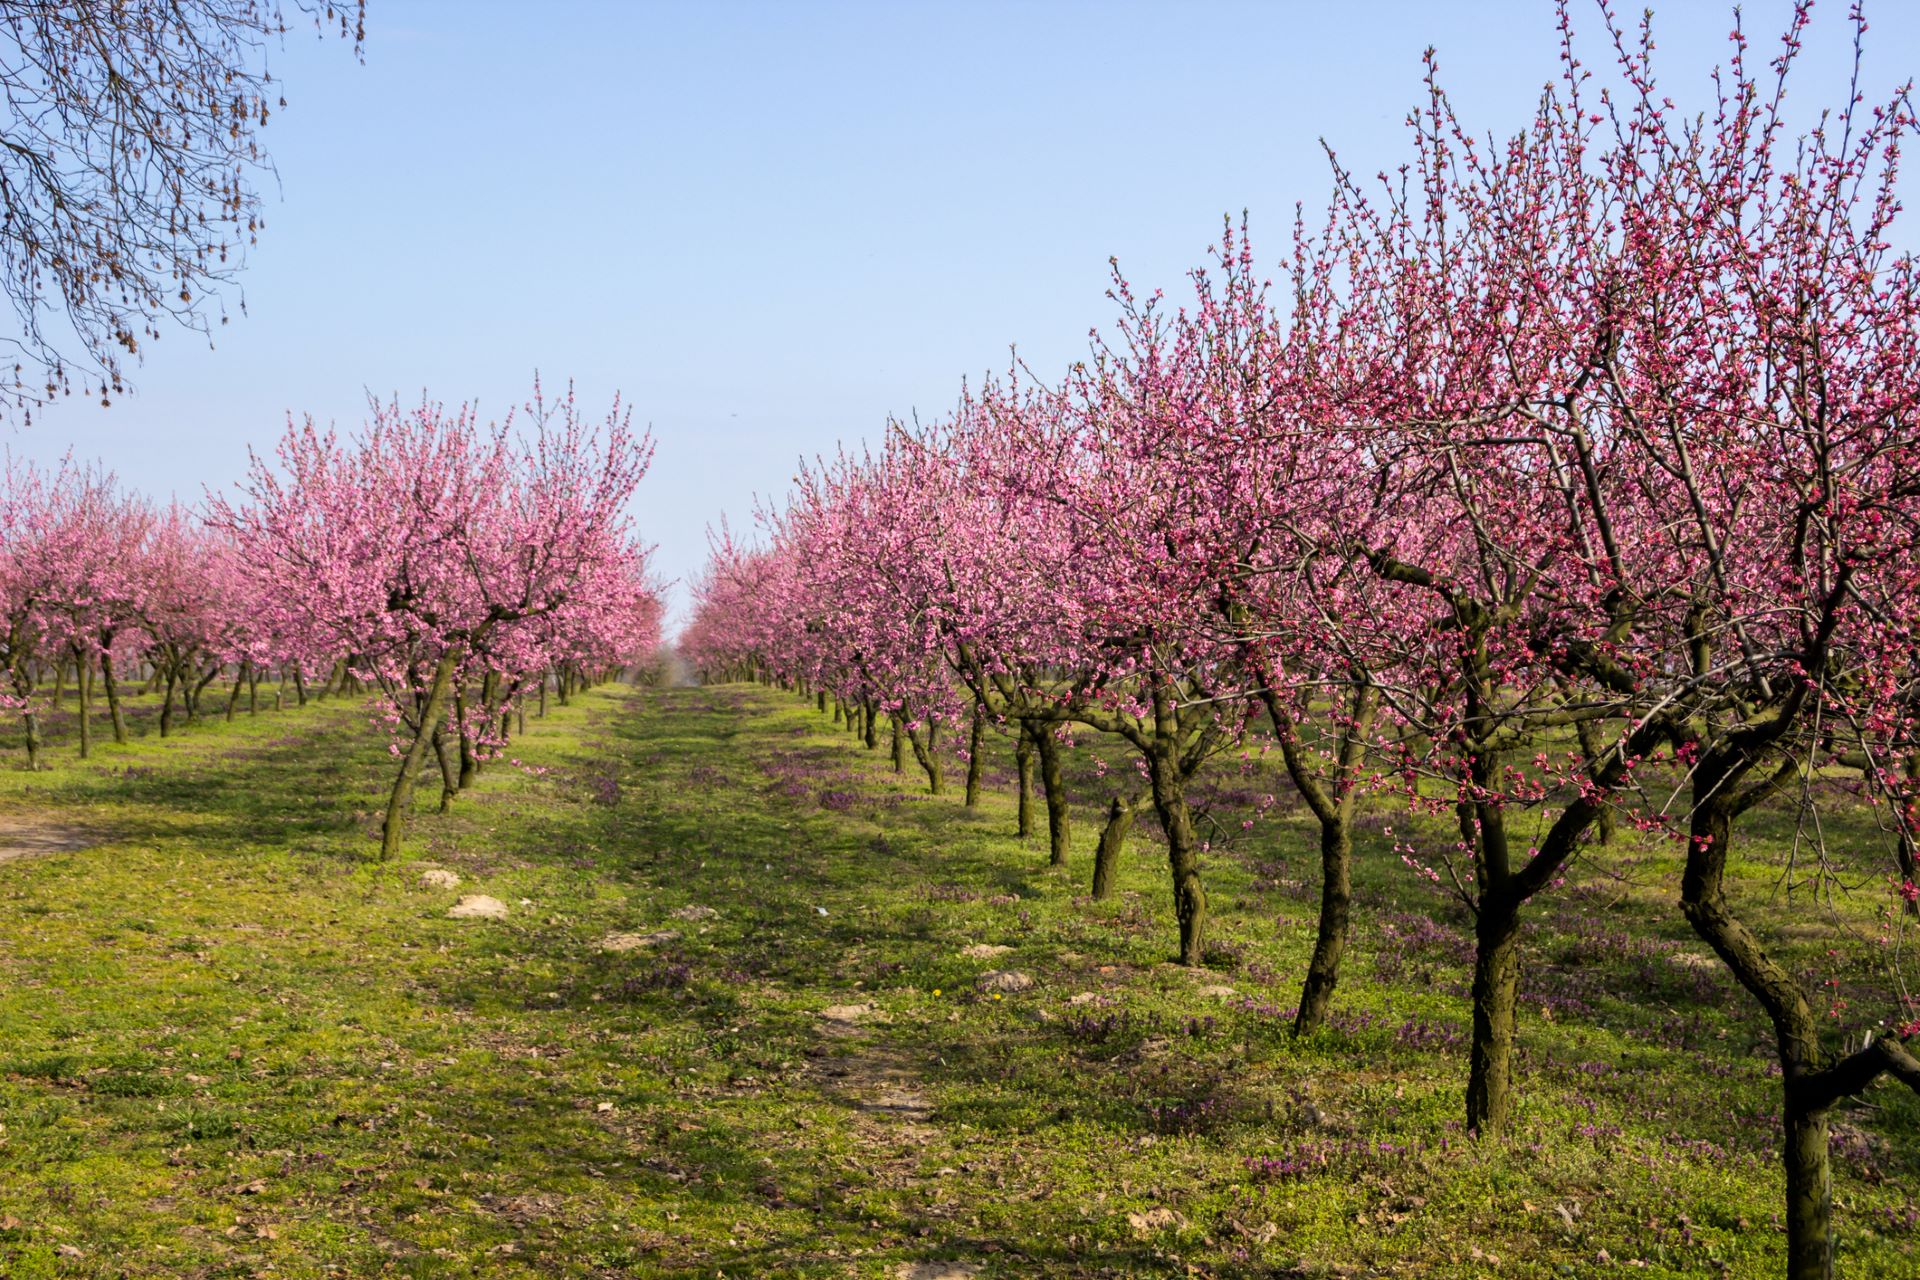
166,704
1183,854
469,761
233,699
1809,1193
820,700
974,736
1059,815
299,686
1796,1028
926,749
29,719
193,702
1331,800
1336,902
1496,981
899,747
113,697
1113,842
872,729
449,782
1023,766
83,687
430,716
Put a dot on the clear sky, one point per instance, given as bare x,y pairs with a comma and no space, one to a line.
772,225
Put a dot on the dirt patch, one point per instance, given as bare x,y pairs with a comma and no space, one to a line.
882,1088
33,837
880,1084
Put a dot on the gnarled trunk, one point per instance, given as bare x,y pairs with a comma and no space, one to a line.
1113,843
975,735
1336,907
83,686
1183,853
449,781
1496,983
1023,767
430,717
113,696
1804,1147
1332,807
166,704
926,749
1054,787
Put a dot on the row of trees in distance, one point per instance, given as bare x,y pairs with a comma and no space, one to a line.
450,567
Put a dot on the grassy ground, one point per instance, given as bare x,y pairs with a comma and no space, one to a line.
231,1046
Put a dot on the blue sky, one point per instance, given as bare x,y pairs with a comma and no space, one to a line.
771,225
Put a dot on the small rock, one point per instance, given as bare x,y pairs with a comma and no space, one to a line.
478,906
695,912
1217,992
846,1013
638,941
1085,997
1002,980
984,951
438,878
1153,1220
937,1271
1152,1047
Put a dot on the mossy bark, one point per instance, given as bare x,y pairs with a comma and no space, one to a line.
1183,853
1496,984
976,735
1054,787
83,687
431,714
926,750
112,687
1023,768
1113,843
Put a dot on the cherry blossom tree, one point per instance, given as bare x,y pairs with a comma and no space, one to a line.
431,547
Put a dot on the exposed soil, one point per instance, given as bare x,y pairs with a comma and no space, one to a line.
32,837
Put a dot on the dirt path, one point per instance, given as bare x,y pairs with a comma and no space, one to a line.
854,1064
32,837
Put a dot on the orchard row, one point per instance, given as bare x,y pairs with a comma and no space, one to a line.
452,568
1561,482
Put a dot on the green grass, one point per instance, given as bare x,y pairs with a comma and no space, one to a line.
230,1045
